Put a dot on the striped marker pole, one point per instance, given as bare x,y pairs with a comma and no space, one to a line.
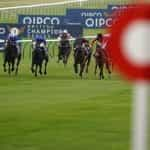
130,50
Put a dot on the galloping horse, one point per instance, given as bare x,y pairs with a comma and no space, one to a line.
38,56
101,59
64,51
82,57
11,55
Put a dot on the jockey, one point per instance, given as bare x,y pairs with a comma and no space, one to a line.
14,40
101,45
99,40
86,46
78,43
65,36
64,44
82,43
40,42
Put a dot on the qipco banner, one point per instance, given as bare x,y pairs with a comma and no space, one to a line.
48,26
40,20
89,18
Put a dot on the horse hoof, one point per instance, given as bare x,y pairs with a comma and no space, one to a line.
40,73
12,69
32,70
80,76
109,76
45,73
5,70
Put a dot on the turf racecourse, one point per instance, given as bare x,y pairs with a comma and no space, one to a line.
63,112
60,111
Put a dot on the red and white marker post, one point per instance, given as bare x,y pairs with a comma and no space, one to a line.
129,46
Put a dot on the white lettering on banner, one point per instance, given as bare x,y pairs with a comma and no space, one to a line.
55,20
89,22
47,20
41,20
91,14
101,22
109,22
98,22
27,20
119,7
46,30
2,30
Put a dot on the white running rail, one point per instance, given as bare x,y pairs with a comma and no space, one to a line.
43,4
51,40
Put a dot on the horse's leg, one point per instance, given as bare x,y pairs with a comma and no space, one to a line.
9,68
67,55
32,67
81,69
88,63
36,68
59,54
40,68
64,60
95,71
45,69
13,65
33,63
102,71
4,65
17,65
76,68
108,67
101,74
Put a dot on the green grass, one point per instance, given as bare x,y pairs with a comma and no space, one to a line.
60,111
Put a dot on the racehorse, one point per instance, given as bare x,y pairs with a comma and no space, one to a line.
12,57
64,51
38,56
101,59
82,57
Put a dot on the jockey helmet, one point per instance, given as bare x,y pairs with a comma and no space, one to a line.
65,31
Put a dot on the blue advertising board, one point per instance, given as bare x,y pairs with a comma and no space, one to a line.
49,26
40,20
89,18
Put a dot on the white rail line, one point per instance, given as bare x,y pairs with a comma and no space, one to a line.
43,4
51,40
